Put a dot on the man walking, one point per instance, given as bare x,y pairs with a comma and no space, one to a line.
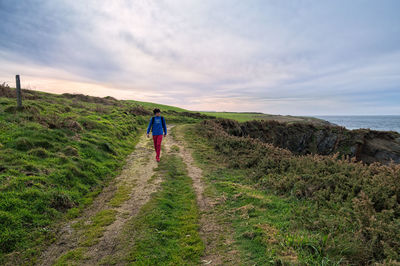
158,128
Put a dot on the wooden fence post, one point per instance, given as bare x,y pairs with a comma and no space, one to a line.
19,96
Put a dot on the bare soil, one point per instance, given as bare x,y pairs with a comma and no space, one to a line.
137,173
217,236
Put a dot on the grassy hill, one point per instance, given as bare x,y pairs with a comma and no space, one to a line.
245,116
240,116
163,107
57,153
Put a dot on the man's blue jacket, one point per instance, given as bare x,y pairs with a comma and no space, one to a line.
158,126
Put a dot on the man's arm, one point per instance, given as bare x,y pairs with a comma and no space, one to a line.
164,126
148,128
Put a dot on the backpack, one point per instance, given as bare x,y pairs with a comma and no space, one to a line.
162,122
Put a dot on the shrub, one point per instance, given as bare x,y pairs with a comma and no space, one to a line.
301,138
369,195
23,144
89,124
46,144
72,125
61,201
39,152
102,109
108,148
6,91
92,99
138,110
30,169
28,109
55,121
70,151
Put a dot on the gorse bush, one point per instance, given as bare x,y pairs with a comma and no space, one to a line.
305,138
357,204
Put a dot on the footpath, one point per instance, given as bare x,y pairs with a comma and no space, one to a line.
97,236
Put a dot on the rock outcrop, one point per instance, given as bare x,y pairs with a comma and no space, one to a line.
365,145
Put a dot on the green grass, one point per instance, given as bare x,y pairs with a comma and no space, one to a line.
165,231
96,228
92,232
56,155
271,227
59,151
263,224
72,257
121,195
243,117
162,107
171,113
175,148
51,160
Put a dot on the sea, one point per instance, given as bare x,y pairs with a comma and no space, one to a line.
374,122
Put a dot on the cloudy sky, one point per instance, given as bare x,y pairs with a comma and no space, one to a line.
295,57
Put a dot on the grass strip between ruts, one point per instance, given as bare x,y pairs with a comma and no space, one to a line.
166,230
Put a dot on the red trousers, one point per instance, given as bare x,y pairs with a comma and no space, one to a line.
157,145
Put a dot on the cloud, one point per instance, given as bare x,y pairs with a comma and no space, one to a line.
293,57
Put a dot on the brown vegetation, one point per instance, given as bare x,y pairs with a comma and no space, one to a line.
301,138
357,204
92,99
190,114
6,91
138,110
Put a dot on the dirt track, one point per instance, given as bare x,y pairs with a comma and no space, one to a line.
212,231
139,177
136,174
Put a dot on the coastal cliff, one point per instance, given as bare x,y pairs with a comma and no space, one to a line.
300,138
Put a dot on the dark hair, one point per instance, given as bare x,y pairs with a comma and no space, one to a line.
155,111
